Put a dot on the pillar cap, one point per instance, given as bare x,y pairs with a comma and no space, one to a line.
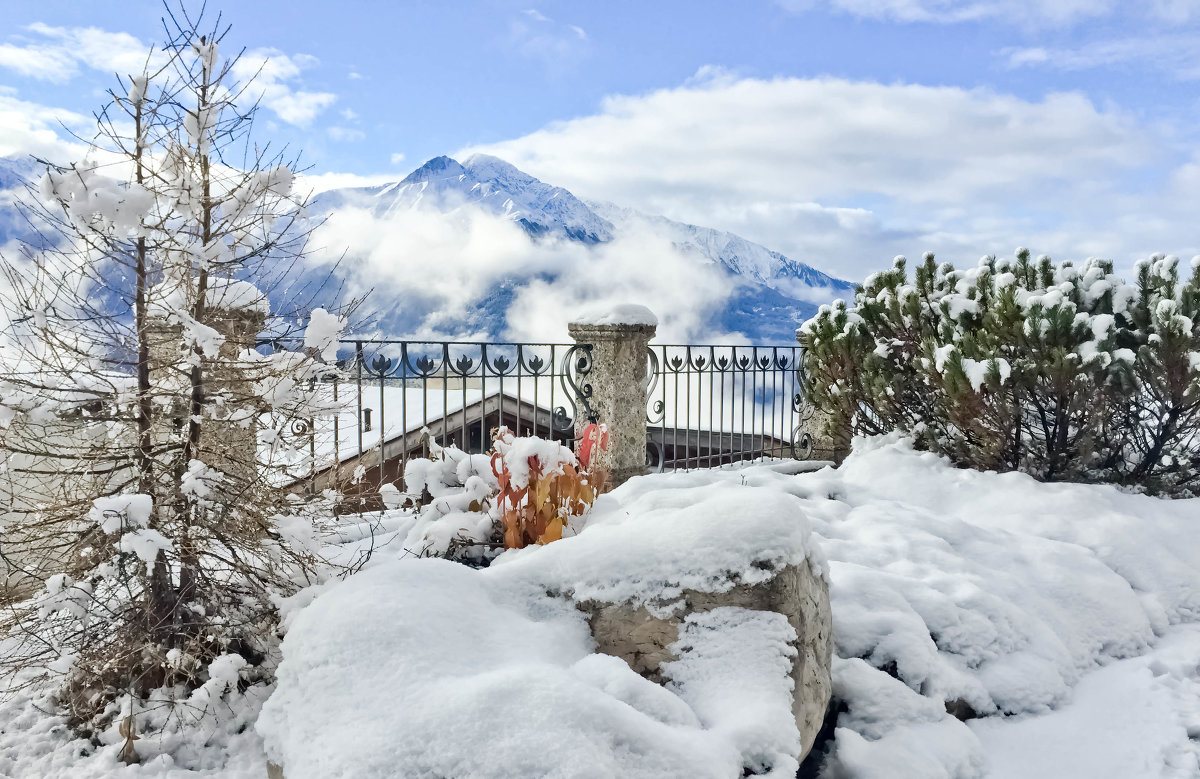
620,314
625,318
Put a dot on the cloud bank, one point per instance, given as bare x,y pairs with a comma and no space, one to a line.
440,263
845,174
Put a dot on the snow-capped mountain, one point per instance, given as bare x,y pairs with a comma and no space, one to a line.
572,252
767,294
489,182
741,257
14,172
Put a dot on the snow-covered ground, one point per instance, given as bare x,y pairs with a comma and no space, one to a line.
1140,716
1066,616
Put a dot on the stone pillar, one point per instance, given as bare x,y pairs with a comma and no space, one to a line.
232,446
228,446
833,448
618,379
826,445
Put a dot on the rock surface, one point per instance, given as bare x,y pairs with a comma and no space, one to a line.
643,639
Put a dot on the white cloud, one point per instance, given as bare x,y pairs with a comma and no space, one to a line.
323,182
846,174
345,134
1024,12
30,128
442,261
796,6
397,158
45,63
1021,13
274,74
55,54
1177,54
535,35
1176,11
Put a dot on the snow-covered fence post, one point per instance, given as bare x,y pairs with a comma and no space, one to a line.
618,338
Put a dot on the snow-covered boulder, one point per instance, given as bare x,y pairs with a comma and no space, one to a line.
420,666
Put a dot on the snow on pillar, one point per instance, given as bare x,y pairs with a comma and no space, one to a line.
619,337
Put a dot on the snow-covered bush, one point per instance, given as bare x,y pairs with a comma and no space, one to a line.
1063,372
452,493
470,506
540,488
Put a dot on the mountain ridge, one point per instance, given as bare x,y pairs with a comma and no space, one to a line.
766,294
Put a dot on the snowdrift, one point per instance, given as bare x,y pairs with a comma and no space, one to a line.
992,593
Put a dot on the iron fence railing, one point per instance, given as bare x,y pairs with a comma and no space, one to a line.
394,399
708,406
711,405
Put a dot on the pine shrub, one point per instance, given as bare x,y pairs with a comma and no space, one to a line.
1062,372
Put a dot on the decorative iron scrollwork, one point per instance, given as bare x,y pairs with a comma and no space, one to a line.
655,460
801,444
801,441
800,405
576,366
657,409
536,366
463,366
379,366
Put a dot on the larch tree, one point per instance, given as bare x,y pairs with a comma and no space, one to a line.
148,529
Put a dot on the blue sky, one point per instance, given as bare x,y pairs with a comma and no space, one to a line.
838,131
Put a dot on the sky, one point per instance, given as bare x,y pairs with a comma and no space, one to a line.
839,132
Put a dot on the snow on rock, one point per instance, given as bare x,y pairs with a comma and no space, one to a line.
424,667
620,314
645,545
463,676
730,662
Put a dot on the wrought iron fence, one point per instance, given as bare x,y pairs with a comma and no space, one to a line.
397,399
712,405
708,406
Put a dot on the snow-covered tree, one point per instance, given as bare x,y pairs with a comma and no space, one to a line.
1066,373
147,532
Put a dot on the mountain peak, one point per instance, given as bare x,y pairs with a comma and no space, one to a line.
485,166
500,187
436,168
